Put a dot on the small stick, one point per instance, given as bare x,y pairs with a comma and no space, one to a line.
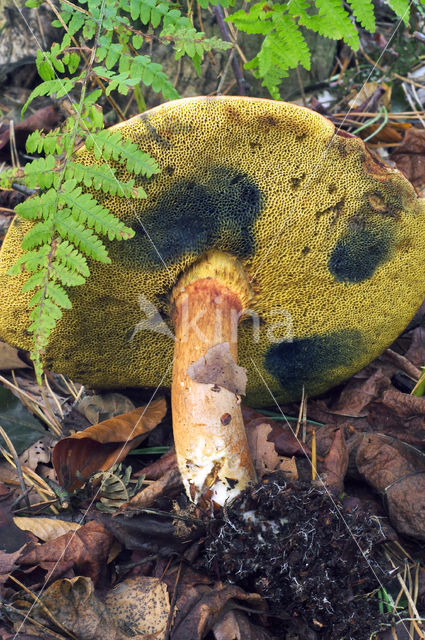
218,12
313,456
17,465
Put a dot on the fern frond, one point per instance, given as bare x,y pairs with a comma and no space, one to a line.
31,261
39,173
39,234
59,88
69,257
363,12
109,145
67,276
81,237
86,209
333,21
34,281
40,206
102,178
401,8
254,20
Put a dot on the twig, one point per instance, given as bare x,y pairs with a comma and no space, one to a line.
43,608
17,466
410,101
396,75
173,603
218,12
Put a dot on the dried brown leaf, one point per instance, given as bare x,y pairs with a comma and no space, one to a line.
140,607
198,608
45,528
235,625
397,472
409,156
102,445
335,464
98,408
218,367
37,453
85,551
263,452
74,606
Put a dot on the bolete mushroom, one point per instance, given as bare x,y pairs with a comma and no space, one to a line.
264,214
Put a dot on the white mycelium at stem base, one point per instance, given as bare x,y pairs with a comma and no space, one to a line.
209,434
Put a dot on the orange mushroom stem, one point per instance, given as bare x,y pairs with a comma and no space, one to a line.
209,433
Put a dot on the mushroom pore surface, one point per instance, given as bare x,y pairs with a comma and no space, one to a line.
332,242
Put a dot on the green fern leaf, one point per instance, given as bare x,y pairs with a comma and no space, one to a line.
363,12
58,87
31,261
401,8
334,22
39,172
39,234
86,209
102,178
109,145
81,237
42,206
69,257
58,295
253,21
34,281
67,276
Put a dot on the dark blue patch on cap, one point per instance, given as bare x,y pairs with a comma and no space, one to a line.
218,210
309,362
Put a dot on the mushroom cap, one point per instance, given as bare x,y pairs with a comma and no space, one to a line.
332,241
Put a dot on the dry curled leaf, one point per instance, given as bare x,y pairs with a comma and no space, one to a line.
73,605
139,607
37,453
409,156
263,452
218,367
235,625
335,464
97,408
85,551
45,528
199,607
397,472
102,445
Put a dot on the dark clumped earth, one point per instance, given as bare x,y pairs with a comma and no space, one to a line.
309,556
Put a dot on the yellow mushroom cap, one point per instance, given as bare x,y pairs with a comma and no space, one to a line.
332,242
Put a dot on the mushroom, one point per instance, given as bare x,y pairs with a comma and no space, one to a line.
264,216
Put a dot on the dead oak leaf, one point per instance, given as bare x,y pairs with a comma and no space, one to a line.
102,445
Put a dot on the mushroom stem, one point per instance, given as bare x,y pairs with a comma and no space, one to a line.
209,433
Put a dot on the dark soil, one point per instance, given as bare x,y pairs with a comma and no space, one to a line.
313,560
